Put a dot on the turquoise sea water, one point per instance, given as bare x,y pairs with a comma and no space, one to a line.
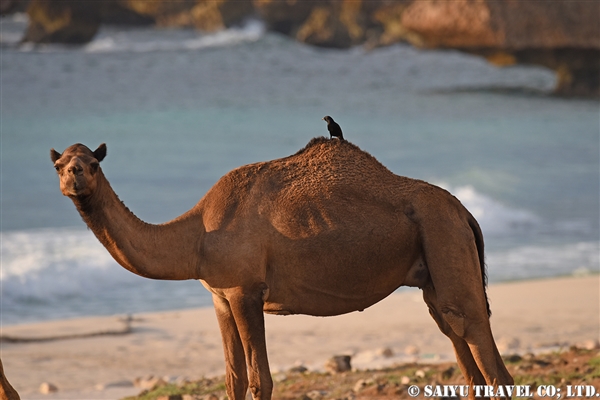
179,109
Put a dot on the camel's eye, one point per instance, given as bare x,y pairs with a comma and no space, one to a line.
94,166
57,168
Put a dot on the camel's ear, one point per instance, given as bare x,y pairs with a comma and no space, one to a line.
54,155
100,152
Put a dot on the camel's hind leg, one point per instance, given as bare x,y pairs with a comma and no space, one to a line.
236,377
457,295
469,330
453,252
464,357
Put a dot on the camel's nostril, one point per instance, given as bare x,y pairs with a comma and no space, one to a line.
75,170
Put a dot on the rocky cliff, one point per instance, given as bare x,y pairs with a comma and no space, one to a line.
563,34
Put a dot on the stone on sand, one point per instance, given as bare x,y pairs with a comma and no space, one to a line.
337,364
47,388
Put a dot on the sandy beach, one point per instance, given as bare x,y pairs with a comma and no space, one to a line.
99,358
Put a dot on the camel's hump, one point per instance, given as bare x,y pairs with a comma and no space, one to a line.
324,172
338,153
321,160
322,147
321,143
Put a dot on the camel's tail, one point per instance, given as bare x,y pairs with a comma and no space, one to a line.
479,243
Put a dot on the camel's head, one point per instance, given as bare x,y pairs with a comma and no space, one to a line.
77,167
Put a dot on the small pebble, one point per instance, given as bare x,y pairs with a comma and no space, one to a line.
117,384
192,397
385,352
363,383
148,382
359,385
47,388
316,394
590,345
298,369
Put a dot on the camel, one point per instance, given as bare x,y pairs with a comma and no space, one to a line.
7,392
326,231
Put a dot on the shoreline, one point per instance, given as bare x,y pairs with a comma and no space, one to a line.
575,274
104,360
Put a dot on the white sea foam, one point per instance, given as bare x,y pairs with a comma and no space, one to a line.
108,41
12,28
494,217
46,263
19,17
526,262
57,273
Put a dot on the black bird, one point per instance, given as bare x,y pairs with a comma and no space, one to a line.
333,128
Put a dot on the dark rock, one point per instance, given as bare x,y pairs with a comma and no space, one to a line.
76,22
284,16
170,397
339,26
12,6
118,14
205,15
447,373
513,358
298,369
63,21
337,364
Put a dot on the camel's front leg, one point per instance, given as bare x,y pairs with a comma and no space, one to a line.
235,363
7,392
247,308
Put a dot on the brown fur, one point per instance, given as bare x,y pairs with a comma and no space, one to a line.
326,231
7,392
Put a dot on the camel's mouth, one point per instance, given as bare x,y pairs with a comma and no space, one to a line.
72,191
74,188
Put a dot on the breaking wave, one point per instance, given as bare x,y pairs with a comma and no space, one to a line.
65,272
142,41
494,217
529,262
139,40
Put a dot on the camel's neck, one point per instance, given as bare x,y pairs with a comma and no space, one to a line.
168,251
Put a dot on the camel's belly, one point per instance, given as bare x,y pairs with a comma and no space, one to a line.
320,299
327,308
332,277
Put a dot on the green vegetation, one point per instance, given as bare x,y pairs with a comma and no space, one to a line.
570,367
198,388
